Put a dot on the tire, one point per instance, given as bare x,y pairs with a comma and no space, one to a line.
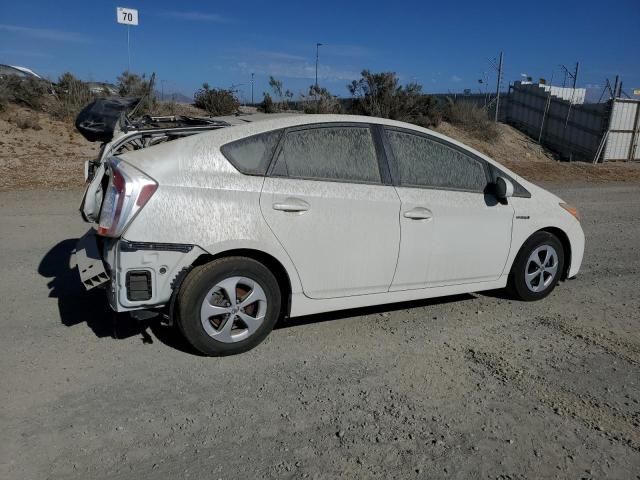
525,276
219,327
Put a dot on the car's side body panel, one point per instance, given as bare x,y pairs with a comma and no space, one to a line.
346,243
466,240
543,214
302,305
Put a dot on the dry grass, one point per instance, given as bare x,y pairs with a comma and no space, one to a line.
51,158
473,120
173,108
25,121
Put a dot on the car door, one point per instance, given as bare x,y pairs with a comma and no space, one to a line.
326,202
453,231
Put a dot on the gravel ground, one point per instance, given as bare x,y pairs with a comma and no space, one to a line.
473,386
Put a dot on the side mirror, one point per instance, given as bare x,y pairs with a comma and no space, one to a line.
504,188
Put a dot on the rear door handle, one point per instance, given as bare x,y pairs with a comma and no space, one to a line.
292,205
418,213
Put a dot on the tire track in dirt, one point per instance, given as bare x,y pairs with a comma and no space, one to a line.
593,414
625,350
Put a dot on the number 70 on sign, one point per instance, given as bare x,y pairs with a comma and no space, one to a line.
127,16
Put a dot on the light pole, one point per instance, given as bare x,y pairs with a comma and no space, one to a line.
252,75
318,45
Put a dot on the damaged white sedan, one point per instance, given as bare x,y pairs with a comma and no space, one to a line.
228,231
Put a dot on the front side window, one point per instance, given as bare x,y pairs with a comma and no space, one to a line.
251,155
339,153
424,162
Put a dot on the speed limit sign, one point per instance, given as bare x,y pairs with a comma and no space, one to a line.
127,16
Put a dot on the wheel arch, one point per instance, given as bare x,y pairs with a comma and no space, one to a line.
269,261
566,246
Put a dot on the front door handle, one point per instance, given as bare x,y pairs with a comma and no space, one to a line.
292,205
418,213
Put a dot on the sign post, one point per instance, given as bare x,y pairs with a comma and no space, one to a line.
128,17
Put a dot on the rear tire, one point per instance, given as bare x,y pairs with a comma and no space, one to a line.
537,267
228,306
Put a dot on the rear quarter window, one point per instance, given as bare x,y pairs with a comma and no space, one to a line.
251,155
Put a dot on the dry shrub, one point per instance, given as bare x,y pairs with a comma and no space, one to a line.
175,108
382,95
473,119
216,101
4,97
30,92
26,121
134,85
320,100
72,95
267,105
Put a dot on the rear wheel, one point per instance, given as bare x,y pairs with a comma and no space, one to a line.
228,306
537,267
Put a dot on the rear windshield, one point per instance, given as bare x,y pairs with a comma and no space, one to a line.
252,155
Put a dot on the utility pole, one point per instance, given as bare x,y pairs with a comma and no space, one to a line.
498,86
574,77
252,78
318,45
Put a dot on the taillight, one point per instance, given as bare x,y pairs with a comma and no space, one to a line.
128,191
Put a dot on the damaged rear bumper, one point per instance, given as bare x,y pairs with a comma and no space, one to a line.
135,275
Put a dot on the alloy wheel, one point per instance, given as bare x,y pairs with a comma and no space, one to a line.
233,309
541,269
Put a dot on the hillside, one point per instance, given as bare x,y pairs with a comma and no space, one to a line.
38,152
521,154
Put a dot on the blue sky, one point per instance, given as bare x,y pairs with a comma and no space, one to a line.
444,45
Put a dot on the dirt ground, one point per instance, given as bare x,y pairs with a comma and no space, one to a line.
52,156
472,386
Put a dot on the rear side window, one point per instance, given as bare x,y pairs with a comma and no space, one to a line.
252,155
329,153
424,162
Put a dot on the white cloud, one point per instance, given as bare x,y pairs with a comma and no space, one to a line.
284,64
345,50
46,34
23,53
456,78
195,16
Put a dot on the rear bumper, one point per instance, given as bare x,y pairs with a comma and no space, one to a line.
91,268
135,275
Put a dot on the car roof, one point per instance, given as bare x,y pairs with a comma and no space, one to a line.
255,124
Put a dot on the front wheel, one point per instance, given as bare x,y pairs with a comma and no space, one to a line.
537,267
228,306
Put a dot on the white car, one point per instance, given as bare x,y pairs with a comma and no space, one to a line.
230,230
